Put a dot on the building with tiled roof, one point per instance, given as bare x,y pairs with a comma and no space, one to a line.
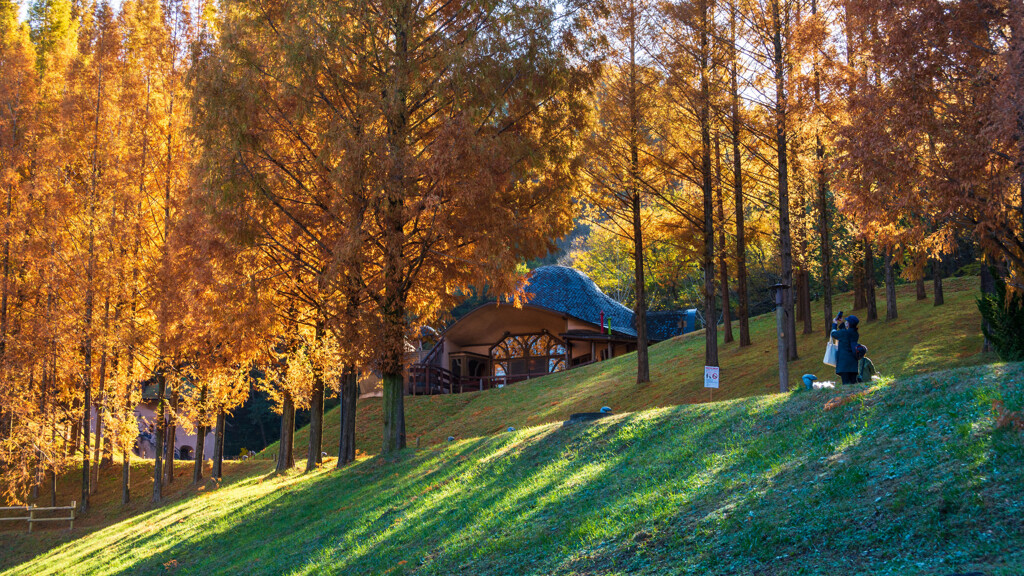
565,322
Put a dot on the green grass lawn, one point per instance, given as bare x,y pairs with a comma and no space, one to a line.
910,478
924,338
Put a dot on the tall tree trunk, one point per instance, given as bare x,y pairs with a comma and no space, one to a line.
201,430
781,128
126,477
737,179
76,431
349,394
197,465
163,307
988,288
161,431
869,275
643,371
90,296
43,397
316,425
937,271
710,319
798,293
87,373
316,411
170,445
860,300
285,457
922,294
218,446
723,266
890,287
395,271
134,305
101,399
824,216
805,300
97,446
825,235
394,410
7,274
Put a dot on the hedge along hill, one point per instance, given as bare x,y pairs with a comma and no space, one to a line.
924,338
907,478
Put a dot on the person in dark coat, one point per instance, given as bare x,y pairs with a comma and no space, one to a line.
846,353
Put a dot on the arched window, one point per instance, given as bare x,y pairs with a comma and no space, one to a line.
528,354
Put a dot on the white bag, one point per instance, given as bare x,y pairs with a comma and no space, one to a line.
831,350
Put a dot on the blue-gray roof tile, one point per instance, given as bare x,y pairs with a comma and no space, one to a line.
571,292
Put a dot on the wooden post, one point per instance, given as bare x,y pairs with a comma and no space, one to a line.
780,323
73,515
31,517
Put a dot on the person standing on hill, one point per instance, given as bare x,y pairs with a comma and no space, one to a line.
846,353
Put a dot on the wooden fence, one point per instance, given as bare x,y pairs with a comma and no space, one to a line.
33,510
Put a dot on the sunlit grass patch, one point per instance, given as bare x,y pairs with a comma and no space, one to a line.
911,480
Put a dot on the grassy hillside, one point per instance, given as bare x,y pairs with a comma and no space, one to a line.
907,478
924,338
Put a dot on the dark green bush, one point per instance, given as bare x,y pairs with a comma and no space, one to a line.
1004,321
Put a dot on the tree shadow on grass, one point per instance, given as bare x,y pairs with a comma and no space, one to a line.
865,490
768,485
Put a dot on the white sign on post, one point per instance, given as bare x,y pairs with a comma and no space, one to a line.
711,376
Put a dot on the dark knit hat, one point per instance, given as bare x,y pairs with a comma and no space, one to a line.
852,321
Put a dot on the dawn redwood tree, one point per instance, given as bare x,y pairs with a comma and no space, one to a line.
142,24
723,262
824,56
736,141
479,102
17,100
924,103
298,176
93,144
891,312
771,52
694,62
468,110
622,147
19,84
779,66
164,279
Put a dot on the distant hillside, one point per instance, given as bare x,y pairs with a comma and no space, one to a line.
906,478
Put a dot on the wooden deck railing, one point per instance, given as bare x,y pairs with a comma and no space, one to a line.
33,510
426,379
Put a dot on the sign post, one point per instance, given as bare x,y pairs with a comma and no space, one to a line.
778,290
711,379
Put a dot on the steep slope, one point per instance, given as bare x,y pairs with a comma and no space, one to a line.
907,478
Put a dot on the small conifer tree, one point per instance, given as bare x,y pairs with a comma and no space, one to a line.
1004,316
